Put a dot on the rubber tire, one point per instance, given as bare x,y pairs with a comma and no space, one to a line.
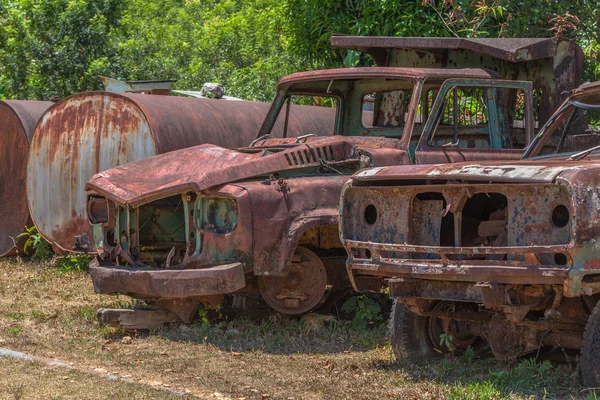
589,360
408,333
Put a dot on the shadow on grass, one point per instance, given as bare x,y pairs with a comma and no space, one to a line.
487,378
286,335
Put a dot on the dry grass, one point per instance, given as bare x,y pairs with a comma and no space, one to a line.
53,315
26,380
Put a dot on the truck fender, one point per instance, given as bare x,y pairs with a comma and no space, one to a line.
287,244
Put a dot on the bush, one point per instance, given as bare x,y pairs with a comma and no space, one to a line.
363,310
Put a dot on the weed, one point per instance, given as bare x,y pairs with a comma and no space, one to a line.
18,391
38,315
16,316
208,313
469,355
474,391
71,263
446,340
363,310
524,375
14,330
88,313
42,250
591,394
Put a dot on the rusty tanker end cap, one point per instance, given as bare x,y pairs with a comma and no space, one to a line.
19,118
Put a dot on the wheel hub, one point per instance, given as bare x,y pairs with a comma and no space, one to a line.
301,289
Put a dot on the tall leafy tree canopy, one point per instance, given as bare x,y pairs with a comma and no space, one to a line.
59,47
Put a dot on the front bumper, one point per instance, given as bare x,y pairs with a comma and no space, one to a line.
161,283
528,271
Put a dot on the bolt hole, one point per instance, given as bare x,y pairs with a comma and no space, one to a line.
560,216
560,259
370,214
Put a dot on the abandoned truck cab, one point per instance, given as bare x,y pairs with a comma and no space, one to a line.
192,225
499,255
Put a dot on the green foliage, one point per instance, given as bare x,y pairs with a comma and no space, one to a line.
71,263
14,330
16,316
525,374
446,341
58,47
88,313
34,241
472,382
474,391
363,310
38,315
208,313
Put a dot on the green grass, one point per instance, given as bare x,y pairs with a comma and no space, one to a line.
285,336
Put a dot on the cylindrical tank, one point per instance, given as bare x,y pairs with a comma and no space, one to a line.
17,122
90,132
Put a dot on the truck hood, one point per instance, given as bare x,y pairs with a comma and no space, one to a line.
524,171
201,167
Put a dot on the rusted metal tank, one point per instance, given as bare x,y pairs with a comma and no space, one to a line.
18,119
90,132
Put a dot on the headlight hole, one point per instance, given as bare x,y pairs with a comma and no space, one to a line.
370,214
560,259
560,216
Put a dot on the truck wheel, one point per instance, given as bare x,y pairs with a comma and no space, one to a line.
408,331
301,289
414,336
589,361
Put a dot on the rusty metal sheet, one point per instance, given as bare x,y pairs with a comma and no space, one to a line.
554,65
167,284
387,73
177,172
513,171
19,118
509,49
90,132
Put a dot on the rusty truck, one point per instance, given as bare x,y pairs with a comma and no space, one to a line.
494,255
192,225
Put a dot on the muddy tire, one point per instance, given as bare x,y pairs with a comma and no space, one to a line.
408,332
589,361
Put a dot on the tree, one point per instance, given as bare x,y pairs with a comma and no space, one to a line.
58,47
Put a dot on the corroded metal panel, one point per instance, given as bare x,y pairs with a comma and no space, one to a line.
18,119
554,65
90,132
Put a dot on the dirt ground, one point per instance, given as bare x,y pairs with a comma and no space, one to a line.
50,313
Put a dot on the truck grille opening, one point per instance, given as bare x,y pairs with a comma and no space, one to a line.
482,222
162,228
